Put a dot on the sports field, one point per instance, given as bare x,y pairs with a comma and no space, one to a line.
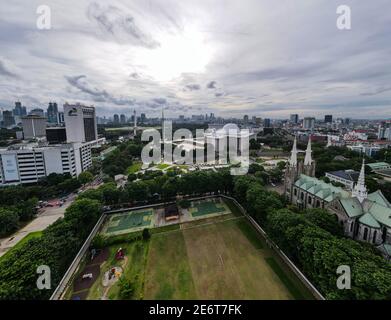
221,260
208,207
129,222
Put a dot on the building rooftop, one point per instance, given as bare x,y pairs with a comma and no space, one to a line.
350,175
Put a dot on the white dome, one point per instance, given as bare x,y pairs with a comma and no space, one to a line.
230,127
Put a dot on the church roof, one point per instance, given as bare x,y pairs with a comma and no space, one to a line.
369,220
319,188
352,207
379,198
381,214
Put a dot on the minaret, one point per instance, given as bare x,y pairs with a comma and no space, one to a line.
360,189
135,123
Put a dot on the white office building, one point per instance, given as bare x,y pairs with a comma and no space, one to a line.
80,123
28,163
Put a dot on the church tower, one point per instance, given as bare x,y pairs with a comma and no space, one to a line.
291,171
309,164
360,189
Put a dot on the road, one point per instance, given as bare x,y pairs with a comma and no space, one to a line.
44,219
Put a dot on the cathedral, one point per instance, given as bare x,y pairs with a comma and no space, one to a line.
364,216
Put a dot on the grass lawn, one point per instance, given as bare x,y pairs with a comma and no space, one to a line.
163,166
222,260
168,274
28,237
135,167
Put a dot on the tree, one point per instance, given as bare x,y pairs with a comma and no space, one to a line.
146,234
8,221
325,220
85,177
184,203
126,288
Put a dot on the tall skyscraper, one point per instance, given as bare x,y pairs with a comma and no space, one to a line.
309,123
294,118
80,123
267,123
245,119
8,119
52,112
122,118
116,119
328,118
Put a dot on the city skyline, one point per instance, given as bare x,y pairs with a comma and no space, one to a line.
262,58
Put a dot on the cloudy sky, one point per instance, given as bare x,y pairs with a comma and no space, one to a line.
267,58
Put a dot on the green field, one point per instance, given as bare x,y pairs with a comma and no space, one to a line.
207,208
135,167
215,258
129,222
225,260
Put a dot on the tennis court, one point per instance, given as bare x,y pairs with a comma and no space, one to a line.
208,207
130,221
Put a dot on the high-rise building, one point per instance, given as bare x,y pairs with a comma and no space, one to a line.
61,119
309,123
52,113
37,112
143,117
267,123
122,118
245,119
18,110
328,118
33,126
294,118
116,119
80,123
8,119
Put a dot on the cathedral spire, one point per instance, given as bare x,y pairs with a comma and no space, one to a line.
293,158
308,154
360,189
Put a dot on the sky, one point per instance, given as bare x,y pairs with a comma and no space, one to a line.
265,58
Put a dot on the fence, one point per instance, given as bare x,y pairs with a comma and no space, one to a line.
280,253
73,268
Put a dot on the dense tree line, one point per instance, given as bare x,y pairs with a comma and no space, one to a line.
18,203
121,158
56,248
314,241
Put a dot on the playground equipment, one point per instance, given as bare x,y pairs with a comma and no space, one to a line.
87,276
120,254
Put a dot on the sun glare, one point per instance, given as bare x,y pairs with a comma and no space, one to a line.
177,54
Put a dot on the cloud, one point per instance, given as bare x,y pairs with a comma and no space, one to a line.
193,87
119,25
376,92
211,85
5,71
98,95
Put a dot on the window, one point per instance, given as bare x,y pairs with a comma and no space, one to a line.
318,204
374,237
365,234
310,200
295,192
302,196
351,226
